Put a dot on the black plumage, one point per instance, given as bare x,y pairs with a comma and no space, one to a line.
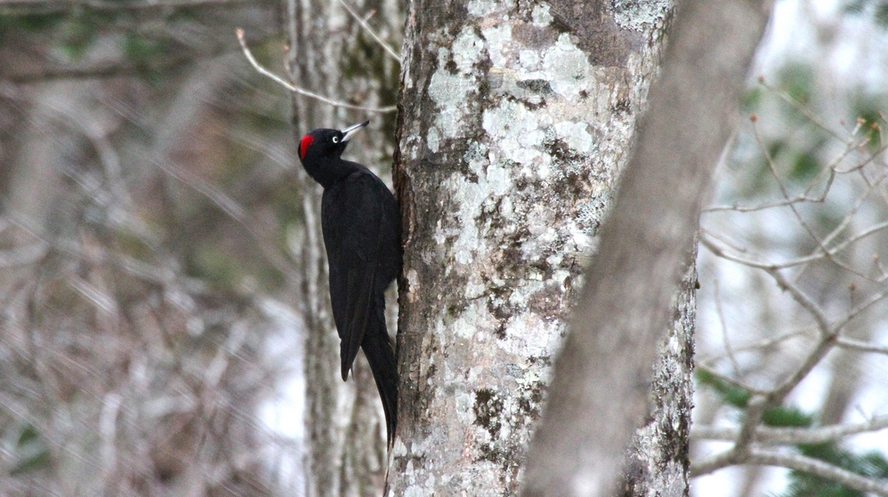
362,234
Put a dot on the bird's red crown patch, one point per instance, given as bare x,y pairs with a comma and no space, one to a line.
304,144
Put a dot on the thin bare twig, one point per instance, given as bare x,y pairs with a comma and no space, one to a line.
794,436
830,171
31,7
724,329
799,106
743,440
389,50
831,246
234,210
760,344
859,308
707,239
128,264
765,206
818,468
760,403
277,79
798,215
727,379
803,300
796,462
861,346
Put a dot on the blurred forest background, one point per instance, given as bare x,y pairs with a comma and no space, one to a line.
150,234
150,299
792,303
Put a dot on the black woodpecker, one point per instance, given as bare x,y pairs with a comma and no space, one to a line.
362,235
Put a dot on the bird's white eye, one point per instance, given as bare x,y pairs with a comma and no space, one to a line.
335,139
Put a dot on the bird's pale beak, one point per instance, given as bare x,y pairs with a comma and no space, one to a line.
351,130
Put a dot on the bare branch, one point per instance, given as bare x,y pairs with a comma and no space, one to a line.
713,463
803,300
105,70
707,238
761,344
818,468
234,210
801,108
765,206
277,79
372,33
814,358
794,436
783,189
796,462
759,403
724,331
32,7
732,381
859,309
860,346
829,171
870,158
756,408
834,246
99,299
871,186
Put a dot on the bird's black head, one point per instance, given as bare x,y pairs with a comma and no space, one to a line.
323,144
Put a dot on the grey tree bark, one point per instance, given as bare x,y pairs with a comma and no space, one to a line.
604,371
332,56
516,121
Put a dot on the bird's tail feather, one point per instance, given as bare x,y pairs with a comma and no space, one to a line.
381,356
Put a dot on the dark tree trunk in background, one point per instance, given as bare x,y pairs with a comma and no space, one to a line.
331,55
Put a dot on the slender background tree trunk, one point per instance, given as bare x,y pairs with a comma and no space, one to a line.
604,371
331,55
516,121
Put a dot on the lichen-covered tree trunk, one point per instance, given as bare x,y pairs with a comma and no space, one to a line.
658,460
604,370
331,55
516,121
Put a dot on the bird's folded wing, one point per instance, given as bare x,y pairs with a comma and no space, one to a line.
352,240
